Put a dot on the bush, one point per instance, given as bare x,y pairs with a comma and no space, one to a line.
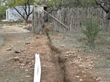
91,31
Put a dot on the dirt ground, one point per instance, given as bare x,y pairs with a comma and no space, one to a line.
100,55
58,64
13,29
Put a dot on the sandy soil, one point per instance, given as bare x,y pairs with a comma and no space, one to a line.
13,29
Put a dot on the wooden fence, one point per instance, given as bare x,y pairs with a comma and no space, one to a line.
74,18
37,21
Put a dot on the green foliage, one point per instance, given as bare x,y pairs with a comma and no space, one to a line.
50,2
91,31
87,3
14,3
2,10
68,3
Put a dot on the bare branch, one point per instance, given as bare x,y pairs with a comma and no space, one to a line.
103,6
19,12
25,9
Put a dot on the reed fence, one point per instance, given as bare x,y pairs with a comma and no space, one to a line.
73,18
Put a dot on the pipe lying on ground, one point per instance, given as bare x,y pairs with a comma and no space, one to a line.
37,69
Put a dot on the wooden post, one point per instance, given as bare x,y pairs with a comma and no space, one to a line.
55,19
34,22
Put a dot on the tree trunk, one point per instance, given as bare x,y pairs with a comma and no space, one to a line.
27,14
26,20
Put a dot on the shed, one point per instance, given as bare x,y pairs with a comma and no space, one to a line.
11,13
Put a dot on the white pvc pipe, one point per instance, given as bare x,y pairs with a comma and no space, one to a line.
37,69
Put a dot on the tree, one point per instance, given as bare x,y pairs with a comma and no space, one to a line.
92,30
58,4
25,5
54,5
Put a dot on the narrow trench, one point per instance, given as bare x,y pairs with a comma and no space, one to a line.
58,61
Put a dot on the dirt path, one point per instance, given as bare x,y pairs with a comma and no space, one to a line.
12,42
13,29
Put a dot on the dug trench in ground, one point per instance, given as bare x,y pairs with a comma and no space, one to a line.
49,63
56,65
68,69
56,58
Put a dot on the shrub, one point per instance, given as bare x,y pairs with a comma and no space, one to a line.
91,31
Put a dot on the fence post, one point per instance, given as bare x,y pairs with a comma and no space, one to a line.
33,29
